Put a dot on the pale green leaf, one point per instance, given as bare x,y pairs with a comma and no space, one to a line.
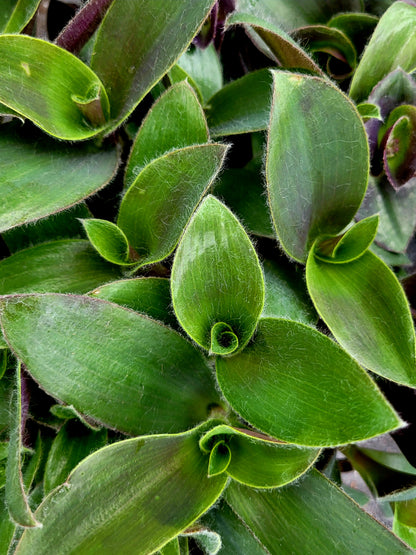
67,266
365,307
41,176
217,282
91,353
137,495
51,87
313,516
317,161
204,68
158,205
175,120
368,111
297,385
155,34
392,45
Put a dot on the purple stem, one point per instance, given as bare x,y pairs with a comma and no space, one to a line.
81,27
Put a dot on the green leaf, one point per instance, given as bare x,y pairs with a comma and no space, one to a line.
73,443
235,536
63,225
158,205
350,245
332,41
90,354
108,240
176,120
7,527
357,26
16,497
149,295
394,461
286,293
279,381
137,495
41,176
257,460
21,13
154,36
171,548
51,87
204,68
242,106
404,523
296,14
365,307
209,541
368,111
392,45
314,516
274,42
242,189
219,459
68,266
217,282
303,148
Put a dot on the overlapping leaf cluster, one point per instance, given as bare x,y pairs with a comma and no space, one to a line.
168,377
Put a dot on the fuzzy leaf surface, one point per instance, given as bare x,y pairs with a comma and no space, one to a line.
41,176
68,266
175,120
51,87
279,381
242,106
154,36
291,520
316,171
98,353
158,205
217,282
257,460
108,240
392,45
365,307
137,495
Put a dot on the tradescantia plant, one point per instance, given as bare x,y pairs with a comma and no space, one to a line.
207,224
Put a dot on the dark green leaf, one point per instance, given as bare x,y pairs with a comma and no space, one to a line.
90,354
7,527
217,282
392,45
149,295
176,120
274,42
311,517
108,240
16,497
303,148
51,87
357,26
257,460
365,307
68,266
279,381
73,443
241,106
286,293
242,190
137,495
41,176
154,36
158,205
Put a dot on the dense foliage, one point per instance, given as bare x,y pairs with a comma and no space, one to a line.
207,227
